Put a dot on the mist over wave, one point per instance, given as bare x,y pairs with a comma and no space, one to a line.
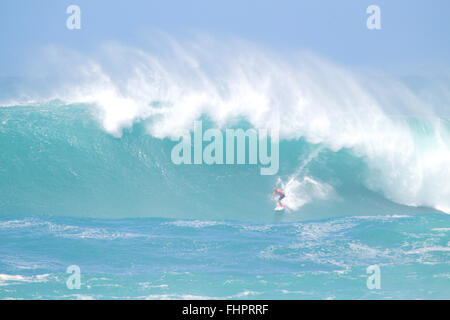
351,143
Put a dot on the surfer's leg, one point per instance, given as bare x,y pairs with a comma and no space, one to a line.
279,200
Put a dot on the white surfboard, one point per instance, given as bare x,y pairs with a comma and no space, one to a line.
279,208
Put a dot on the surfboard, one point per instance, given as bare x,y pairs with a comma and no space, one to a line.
278,208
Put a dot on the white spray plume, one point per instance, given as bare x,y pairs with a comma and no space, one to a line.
316,99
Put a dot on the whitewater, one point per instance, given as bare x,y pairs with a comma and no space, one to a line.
85,163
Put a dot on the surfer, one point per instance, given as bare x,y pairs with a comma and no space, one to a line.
281,194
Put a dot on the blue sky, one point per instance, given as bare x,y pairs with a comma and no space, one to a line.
413,34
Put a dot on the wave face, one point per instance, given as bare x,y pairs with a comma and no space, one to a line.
91,138
57,160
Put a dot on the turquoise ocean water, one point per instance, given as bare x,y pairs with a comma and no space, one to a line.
152,258
139,226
